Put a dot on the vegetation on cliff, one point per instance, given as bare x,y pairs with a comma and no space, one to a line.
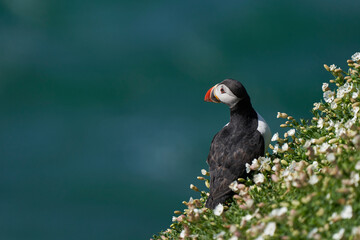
307,187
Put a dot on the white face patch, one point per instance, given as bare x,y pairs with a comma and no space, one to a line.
225,95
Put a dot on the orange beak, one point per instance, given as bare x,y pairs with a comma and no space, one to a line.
210,96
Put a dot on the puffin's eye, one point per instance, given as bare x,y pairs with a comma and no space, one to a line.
222,90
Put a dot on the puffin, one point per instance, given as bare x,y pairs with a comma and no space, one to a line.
245,137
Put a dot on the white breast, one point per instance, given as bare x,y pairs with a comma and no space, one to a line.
265,131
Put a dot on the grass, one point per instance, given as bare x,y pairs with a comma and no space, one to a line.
306,189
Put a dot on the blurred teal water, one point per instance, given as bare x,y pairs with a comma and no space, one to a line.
103,125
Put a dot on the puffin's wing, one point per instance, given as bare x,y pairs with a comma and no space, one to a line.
227,164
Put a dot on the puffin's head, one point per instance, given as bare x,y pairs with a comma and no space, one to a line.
228,91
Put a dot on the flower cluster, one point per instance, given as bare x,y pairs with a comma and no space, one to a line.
307,188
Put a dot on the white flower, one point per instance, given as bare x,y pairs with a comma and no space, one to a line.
249,202
356,57
356,140
275,168
324,147
355,110
355,231
333,67
259,178
357,166
259,238
355,178
313,179
264,163
289,169
329,96
255,164
233,186
278,212
320,123
340,131
174,219
182,234
350,123
234,238
284,147
347,87
339,235
291,132
275,137
334,216
219,235
247,166
331,124
314,165
247,217
199,211
307,144
347,213
331,157
333,105
276,149
316,106
219,209
355,95
325,87
328,196
340,92
338,124
203,172
270,229
312,233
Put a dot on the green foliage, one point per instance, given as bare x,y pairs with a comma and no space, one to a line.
307,187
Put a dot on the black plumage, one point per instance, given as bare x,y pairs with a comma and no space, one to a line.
238,143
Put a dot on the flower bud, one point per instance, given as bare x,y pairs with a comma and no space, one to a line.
207,184
327,67
320,212
274,178
356,104
320,140
194,188
281,115
337,100
283,125
204,172
283,162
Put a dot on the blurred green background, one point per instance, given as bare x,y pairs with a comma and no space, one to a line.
103,125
